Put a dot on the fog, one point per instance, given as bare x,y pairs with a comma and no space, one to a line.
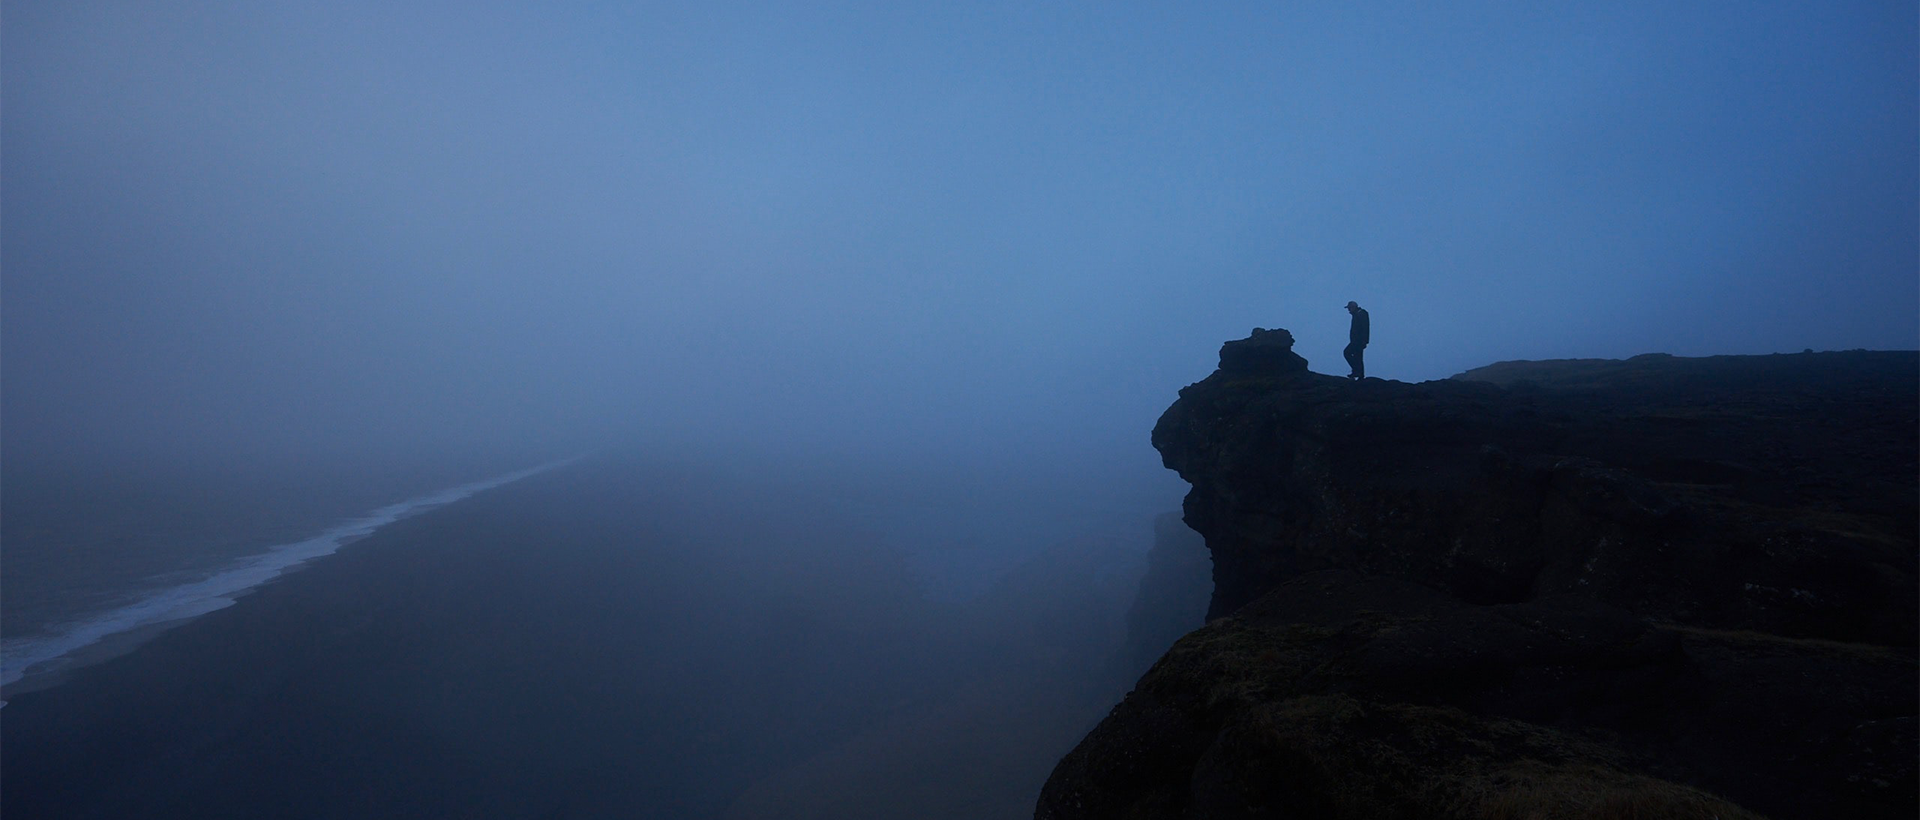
860,315
618,638
968,230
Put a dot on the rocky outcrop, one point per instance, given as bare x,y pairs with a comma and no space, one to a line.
1655,587
1264,352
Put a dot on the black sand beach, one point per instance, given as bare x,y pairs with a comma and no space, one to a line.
603,640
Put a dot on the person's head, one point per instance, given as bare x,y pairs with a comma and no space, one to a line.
1353,307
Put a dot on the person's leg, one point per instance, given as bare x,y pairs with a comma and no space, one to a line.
1353,361
1360,362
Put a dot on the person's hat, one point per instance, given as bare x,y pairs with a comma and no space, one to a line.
1353,304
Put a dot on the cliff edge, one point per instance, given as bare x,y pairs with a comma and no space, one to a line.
1658,587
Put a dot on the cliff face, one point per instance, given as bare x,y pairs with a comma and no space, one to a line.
1534,586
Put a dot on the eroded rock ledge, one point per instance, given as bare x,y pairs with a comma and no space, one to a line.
1677,587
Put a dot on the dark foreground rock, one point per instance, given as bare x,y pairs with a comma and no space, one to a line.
1661,587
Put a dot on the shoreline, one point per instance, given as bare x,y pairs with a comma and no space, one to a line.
114,632
54,671
610,640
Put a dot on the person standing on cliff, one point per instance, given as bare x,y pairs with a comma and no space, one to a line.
1357,341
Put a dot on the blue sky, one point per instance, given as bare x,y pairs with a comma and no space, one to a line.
912,227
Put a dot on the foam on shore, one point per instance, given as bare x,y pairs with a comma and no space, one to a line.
49,653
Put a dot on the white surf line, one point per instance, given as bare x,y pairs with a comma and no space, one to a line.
21,655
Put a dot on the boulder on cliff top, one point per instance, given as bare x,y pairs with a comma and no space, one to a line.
1263,353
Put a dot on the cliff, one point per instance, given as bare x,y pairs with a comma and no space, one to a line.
1655,587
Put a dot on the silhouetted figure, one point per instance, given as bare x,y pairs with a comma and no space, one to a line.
1357,341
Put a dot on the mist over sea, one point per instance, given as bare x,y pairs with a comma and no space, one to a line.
731,638
93,555
859,318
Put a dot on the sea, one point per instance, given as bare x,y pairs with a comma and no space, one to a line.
95,558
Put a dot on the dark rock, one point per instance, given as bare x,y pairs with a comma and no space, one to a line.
1585,588
1772,493
1342,695
1263,353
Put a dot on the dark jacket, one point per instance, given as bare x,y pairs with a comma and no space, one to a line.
1358,335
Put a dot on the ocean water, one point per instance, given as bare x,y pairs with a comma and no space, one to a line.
957,553
85,562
